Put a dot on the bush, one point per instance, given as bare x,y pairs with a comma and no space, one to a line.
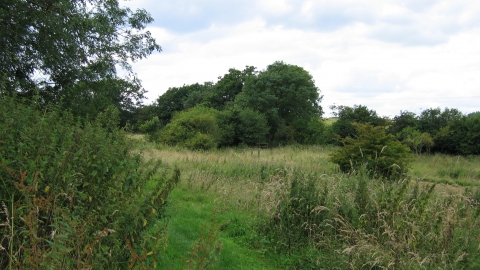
151,128
372,149
192,128
200,141
73,196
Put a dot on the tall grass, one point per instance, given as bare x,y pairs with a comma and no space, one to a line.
295,211
441,168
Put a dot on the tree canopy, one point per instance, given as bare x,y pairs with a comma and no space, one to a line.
357,114
69,51
287,95
277,105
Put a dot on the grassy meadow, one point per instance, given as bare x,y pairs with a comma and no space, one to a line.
290,208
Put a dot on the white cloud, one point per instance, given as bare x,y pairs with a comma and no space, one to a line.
276,7
390,56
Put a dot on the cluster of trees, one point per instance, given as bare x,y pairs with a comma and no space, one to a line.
278,105
446,131
433,130
281,105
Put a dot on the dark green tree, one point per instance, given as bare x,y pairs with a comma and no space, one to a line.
143,114
177,99
316,132
460,136
228,87
405,119
286,95
357,114
437,122
68,51
433,119
251,127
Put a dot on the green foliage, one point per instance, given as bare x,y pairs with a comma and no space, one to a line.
178,99
251,127
460,137
343,127
315,132
151,128
200,141
196,128
228,87
416,140
68,52
451,131
433,119
405,119
286,95
380,154
76,196
283,95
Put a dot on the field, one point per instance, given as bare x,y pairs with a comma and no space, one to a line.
290,208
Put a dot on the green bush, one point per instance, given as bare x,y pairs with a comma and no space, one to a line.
73,195
185,127
200,141
372,149
151,128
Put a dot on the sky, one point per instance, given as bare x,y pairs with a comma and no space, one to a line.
388,55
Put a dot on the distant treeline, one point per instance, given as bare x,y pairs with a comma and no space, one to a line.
281,105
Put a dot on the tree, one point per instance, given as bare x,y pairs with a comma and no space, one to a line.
433,119
251,127
405,119
286,95
460,136
416,140
177,99
228,87
315,133
435,122
356,114
68,52
380,154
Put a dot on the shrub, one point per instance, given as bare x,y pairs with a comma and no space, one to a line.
151,128
200,141
185,127
380,154
73,196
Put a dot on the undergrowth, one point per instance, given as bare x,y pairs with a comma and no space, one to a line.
73,196
365,224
